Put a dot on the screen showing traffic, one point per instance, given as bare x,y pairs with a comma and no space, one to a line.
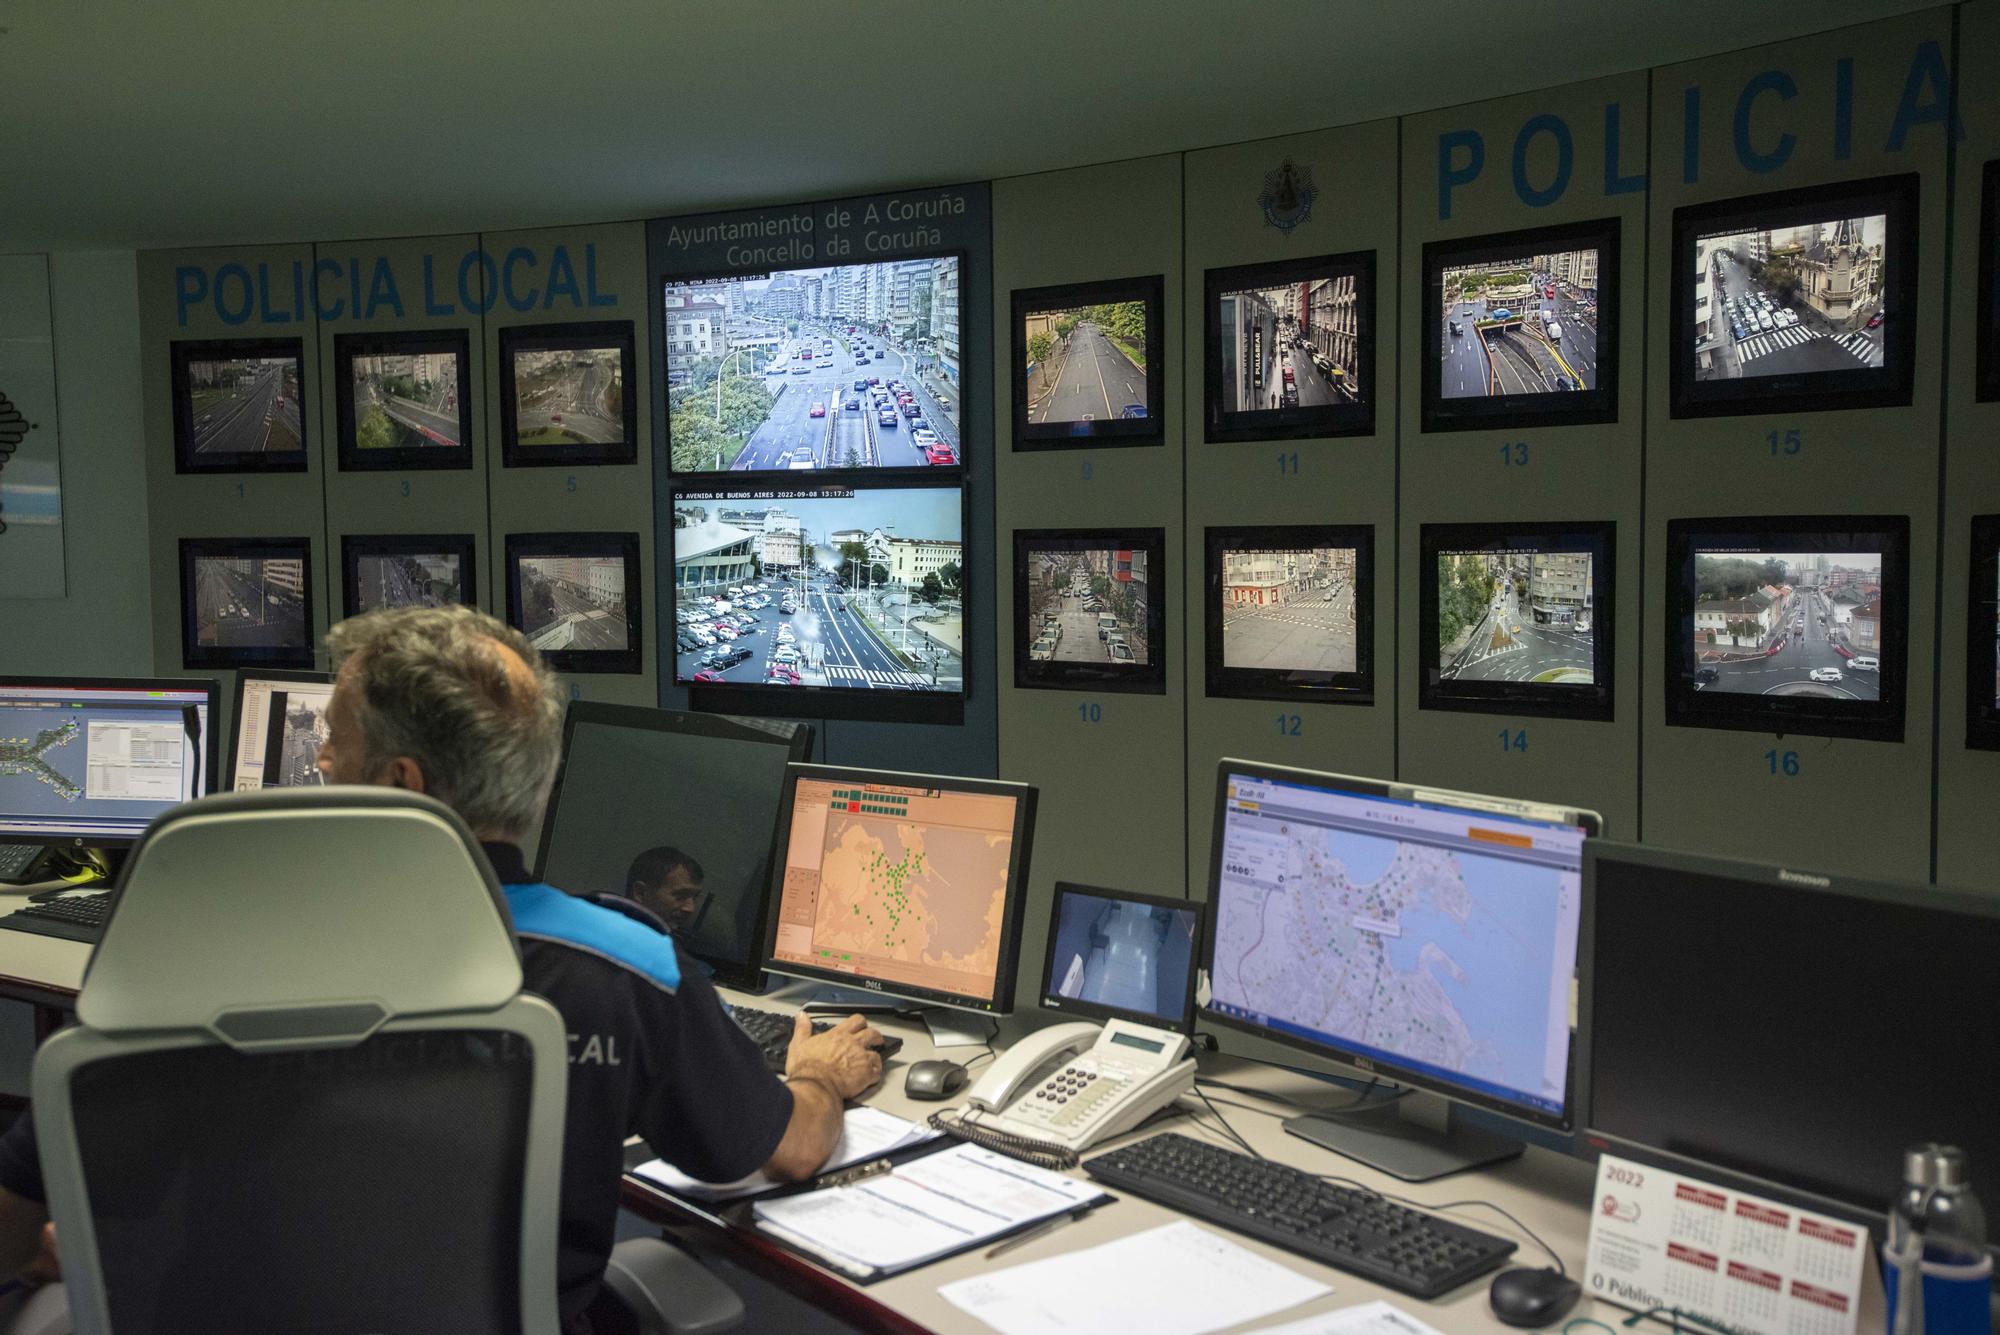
406,400
569,396
1520,324
1289,610
1517,614
1784,300
250,601
1788,623
1087,364
242,406
573,601
408,579
1292,345
1089,605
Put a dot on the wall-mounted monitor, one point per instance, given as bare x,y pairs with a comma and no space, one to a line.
1797,301
1291,613
1517,618
1989,284
1090,609
246,602
236,405
568,394
381,570
576,596
844,599
1088,364
1521,328
403,400
1789,624
784,371
1982,637
1290,349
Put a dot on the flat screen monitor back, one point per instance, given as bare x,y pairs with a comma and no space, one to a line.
639,781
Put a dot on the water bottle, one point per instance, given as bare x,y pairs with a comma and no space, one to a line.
1935,1267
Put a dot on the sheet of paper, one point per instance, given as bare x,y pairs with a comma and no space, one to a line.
1661,1239
928,1208
1178,1279
1376,1318
865,1134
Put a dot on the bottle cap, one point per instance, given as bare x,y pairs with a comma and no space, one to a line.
1934,1165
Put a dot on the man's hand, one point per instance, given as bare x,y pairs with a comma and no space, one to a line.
45,1268
844,1057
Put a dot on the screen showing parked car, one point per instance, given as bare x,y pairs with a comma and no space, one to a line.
1790,299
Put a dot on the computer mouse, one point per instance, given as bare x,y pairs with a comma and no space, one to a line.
934,1079
1525,1296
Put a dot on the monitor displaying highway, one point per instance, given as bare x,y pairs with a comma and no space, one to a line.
1523,324
1289,610
1291,345
855,366
1517,615
859,589
569,396
1788,623
1790,299
573,602
1089,606
243,405
406,401
408,579
1086,363
250,602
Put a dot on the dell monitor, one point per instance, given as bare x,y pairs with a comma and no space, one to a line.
677,813
1787,1030
910,885
1114,955
1420,935
277,728
87,763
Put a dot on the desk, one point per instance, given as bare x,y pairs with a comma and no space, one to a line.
45,971
1547,1191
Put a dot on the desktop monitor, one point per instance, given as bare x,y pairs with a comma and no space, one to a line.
1088,364
277,728
1795,301
568,394
89,762
910,885
758,382
1290,349
1795,1031
686,806
1420,935
1114,955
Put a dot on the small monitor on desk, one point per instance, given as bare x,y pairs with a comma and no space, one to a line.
1120,956
276,729
1423,936
910,885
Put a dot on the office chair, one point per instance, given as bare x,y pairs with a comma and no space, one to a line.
306,1091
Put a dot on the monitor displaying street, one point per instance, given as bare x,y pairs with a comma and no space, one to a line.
569,396
250,602
1088,606
1788,623
408,580
574,602
1289,611
406,401
1086,364
244,405
1292,345
1526,324
1789,300
1517,616
855,366
862,590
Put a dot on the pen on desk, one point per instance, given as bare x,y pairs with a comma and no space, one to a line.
1046,1226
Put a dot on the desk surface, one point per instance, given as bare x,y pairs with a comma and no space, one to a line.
46,970
1548,1192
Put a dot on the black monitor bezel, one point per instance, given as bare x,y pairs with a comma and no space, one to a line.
631,658
516,339
245,675
211,740
195,656
1986,379
1149,678
1580,407
1982,624
411,458
1594,703
1889,386
715,477
354,546
1019,857
1325,421
860,704
1118,432
1241,683
1374,1066
182,351
1052,1000
1882,720
744,973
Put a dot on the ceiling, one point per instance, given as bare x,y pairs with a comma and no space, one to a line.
141,123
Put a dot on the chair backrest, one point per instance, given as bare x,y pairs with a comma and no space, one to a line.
306,1092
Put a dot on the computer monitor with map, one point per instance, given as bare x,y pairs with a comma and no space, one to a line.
276,729
1422,936
910,885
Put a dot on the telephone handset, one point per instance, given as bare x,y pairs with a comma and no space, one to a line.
1072,1085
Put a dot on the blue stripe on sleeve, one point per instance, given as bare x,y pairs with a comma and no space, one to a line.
543,911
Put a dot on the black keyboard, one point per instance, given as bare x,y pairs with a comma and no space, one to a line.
772,1031
1350,1230
17,858
71,917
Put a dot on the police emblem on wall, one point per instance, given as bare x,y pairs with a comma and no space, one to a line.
1289,192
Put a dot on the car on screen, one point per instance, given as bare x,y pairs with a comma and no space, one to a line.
1121,652
817,410
1825,674
940,454
1133,410
887,417
920,436
708,675
852,405
782,674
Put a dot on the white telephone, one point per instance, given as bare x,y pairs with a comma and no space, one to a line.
1072,1085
